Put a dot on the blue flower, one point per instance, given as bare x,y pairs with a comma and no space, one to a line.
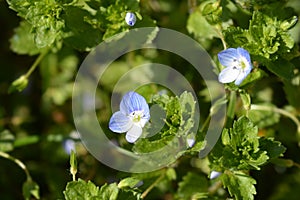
133,115
130,18
238,65
214,174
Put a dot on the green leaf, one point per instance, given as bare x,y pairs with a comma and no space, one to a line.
109,192
192,185
200,28
47,25
264,118
19,84
273,148
282,68
6,141
265,37
171,174
246,99
26,140
20,6
130,182
241,150
31,188
78,190
255,75
239,185
79,33
22,42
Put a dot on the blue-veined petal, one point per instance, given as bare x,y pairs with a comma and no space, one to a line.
228,57
133,134
243,74
132,101
244,53
229,74
120,123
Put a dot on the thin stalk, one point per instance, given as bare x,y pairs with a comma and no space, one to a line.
277,110
206,122
145,193
218,29
36,63
18,162
296,165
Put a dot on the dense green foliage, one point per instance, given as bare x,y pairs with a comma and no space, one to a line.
257,154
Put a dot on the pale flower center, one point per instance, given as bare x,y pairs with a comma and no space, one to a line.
243,63
136,116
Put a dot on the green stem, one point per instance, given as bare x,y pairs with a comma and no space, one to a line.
18,162
36,63
231,108
296,165
206,122
277,110
218,29
145,193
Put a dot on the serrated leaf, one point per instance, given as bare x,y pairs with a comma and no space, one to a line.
6,141
31,188
244,132
239,185
192,185
273,148
77,190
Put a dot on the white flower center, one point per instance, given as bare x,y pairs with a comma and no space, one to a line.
136,117
243,62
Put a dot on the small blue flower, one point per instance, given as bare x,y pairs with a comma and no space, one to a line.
130,18
214,174
133,115
238,65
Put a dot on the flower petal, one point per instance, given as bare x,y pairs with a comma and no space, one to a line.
228,57
119,123
244,53
214,174
132,101
133,134
243,74
229,74
130,18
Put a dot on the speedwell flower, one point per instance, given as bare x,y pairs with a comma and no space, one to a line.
130,18
132,117
238,65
